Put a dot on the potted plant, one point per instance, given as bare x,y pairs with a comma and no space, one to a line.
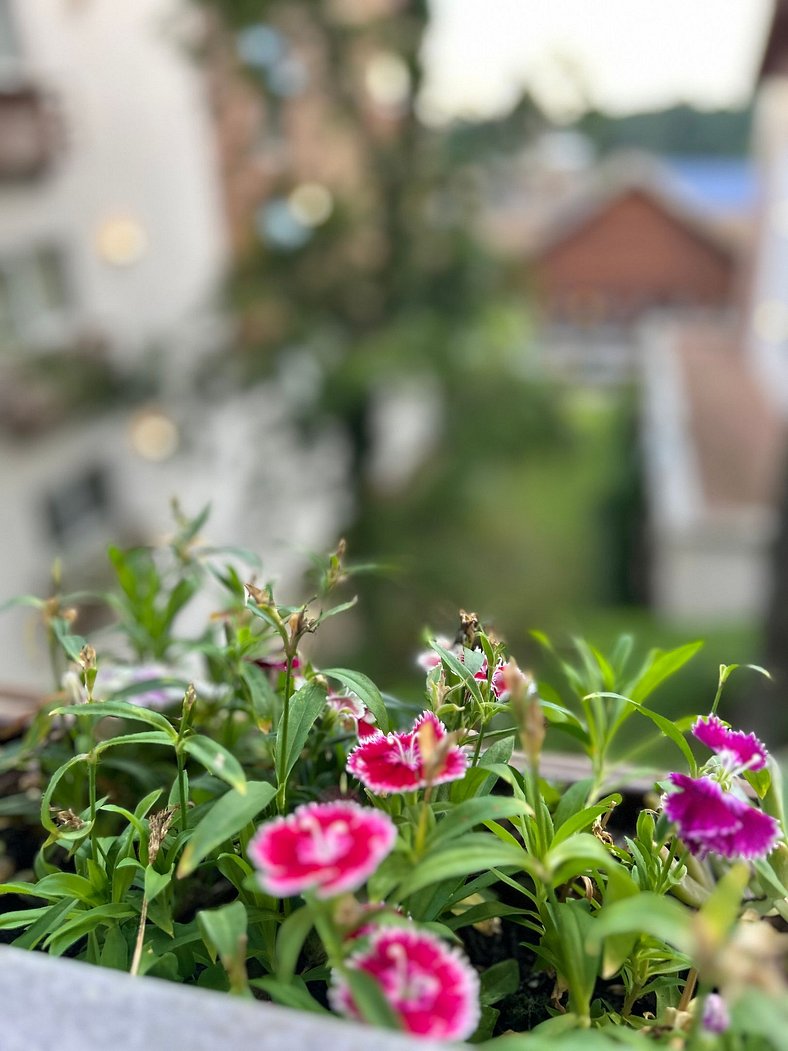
219,812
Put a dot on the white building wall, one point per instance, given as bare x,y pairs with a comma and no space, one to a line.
137,146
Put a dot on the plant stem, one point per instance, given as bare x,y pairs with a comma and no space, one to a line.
689,989
281,792
135,962
182,791
477,751
92,762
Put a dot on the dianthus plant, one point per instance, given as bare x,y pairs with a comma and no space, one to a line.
220,810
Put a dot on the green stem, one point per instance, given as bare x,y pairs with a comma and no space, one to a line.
92,763
281,793
477,751
182,791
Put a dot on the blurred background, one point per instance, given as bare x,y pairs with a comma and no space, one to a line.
497,291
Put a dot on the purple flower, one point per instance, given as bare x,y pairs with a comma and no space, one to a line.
711,820
432,987
715,1018
742,751
326,847
403,762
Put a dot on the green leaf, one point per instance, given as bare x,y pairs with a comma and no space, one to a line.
223,821
647,913
585,818
216,760
473,812
658,667
146,737
575,855
156,882
500,980
668,728
224,929
49,920
305,706
370,1000
289,994
119,710
462,673
82,923
366,691
289,942
477,853
46,799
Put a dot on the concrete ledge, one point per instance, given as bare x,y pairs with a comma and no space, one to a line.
53,1003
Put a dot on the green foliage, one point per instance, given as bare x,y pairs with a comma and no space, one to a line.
153,793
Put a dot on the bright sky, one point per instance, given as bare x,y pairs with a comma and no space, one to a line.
622,55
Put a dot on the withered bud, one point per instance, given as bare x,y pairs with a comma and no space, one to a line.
159,825
260,596
189,698
67,819
70,614
87,658
341,548
468,630
296,623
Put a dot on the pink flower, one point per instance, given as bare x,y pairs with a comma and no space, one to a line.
352,714
711,820
276,663
742,751
431,986
403,762
326,847
429,659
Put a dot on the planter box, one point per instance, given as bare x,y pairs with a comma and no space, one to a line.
55,1003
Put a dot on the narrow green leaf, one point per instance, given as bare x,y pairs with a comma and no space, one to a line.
305,706
370,1000
658,667
660,917
459,669
49,920
216,760
367,692
289,994
146,737
223,929
290,940
583,819
474,812
82,923
477,853
668,728
156,882
223,821
119,710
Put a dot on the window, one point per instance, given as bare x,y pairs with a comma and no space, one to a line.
34,296
78,508
9,39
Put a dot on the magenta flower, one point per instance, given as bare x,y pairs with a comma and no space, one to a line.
403,762
711,820
329,848
431,986
742,751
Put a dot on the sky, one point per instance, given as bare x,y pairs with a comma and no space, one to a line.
618,55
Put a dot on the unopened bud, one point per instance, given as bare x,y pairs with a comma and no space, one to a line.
527,710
